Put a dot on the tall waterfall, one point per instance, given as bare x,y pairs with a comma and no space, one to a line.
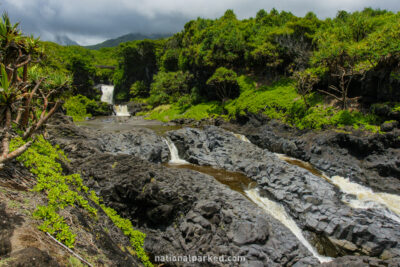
278,212
174,153
107,94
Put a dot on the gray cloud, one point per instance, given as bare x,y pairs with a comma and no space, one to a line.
92,21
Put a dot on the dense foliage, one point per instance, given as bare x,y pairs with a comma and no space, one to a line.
29,94
80,107
352,59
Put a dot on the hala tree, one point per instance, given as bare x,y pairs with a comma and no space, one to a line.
24,105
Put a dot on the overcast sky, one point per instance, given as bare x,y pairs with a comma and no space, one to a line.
93,21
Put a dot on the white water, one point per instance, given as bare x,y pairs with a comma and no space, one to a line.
121,110
241,137
107,94
174,153
365,197
278,212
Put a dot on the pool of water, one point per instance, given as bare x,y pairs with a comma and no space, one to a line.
120,124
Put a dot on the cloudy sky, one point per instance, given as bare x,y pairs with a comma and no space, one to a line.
93,21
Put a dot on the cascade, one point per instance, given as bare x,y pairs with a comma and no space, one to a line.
107,97
241,137
366,198
107,93
278,212
121,110
356,195
174,153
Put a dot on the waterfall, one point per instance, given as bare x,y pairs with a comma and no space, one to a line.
121,110
174,153
278,212
107,93
356,195
241,137
366,198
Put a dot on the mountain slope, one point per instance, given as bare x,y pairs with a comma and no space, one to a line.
126,38
64,40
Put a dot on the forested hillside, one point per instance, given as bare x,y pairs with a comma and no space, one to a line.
302,70
126,38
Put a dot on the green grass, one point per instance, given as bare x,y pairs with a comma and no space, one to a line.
274,101
277,101
170,112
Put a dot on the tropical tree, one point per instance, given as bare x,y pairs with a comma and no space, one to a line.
224,82
305,81
25,105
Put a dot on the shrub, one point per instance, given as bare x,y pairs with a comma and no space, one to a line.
80,107
224,83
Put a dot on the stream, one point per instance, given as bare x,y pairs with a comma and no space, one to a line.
311,214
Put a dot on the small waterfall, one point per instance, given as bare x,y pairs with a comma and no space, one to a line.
121,110
366,198
241,137
107,94
278,212
356,195
174,153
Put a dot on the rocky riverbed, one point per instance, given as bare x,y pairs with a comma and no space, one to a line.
239,198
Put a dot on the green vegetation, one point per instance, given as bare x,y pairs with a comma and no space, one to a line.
136,237
80,107
62,190
87,67
43,160
309,72
28,95
171,112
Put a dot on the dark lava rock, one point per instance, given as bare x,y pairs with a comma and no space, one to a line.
371,159
389,126
185,212
313,202
141,142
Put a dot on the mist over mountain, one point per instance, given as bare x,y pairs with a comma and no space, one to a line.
126,38
64,40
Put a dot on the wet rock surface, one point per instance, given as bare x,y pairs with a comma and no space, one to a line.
142,142
188,213
372,159
314,203
183,212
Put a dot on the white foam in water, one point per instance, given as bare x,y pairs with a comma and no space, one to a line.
241,137
121,110
278,212
366,198
174,153
107,93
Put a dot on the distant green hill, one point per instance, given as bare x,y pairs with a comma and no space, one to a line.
126,38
